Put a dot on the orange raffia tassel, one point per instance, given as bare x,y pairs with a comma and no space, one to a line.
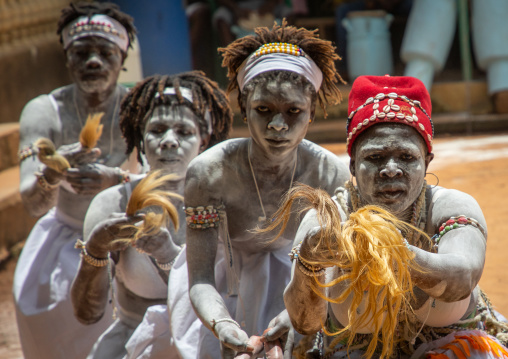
46,152
147,194
91,131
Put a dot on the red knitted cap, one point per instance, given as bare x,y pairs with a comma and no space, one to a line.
398,99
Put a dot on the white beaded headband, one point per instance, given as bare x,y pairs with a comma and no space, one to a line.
187,94
279,56
97,25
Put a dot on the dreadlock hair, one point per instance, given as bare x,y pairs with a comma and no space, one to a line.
138,105
86,8
321,51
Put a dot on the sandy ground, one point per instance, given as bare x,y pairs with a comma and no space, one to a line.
476,165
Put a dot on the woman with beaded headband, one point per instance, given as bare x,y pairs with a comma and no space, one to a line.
236,277
170,119
432,306
95,38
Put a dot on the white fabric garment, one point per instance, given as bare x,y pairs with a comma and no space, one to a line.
263,276
42,281
152,338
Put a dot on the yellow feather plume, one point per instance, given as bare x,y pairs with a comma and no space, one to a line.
47,154
91,131
147,194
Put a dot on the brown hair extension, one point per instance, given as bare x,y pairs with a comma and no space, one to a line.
91,131
321,51
370,251
146,194
46,152
138,105
87,8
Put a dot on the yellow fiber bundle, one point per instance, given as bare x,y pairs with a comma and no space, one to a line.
371,252
91,131
46,152
146,194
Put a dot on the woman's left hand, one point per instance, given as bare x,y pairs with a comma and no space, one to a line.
160,246
280,329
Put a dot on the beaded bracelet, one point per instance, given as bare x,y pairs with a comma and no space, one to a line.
27,151
456,222
96,262
169,265
305,267
123,176
201,218
229,320
43,181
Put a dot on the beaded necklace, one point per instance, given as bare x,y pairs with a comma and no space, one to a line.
249,150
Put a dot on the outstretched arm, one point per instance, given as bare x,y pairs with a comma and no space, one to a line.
201,251
306,308
453,273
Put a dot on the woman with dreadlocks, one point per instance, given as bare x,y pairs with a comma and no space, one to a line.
236,277
170,119
365,268
95,38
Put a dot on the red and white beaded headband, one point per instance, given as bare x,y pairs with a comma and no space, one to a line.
97,25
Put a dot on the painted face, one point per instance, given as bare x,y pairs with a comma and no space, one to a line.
94,64
278,114
172,139
389,162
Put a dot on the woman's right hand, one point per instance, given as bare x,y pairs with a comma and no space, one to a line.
104,235
233,339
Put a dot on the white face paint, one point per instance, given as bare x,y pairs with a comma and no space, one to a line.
94,64
172,139
278,115
389,162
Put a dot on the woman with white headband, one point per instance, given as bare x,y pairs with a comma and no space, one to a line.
170,119
95,38
236,276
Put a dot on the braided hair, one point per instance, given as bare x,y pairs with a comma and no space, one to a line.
138,105
86,8
321,51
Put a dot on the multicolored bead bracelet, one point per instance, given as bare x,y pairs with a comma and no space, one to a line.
27,151
454,223
203,217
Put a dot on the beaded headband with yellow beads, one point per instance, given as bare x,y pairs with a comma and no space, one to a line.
279,47
279,56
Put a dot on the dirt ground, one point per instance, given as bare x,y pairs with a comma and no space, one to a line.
476,165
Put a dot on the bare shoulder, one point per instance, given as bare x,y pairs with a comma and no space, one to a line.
39,118
446,203
210,166
324,169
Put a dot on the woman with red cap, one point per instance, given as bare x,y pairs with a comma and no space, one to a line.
400,275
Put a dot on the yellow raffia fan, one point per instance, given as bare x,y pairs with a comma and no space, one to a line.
91,131
370,251
376,272
147,194
46,152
